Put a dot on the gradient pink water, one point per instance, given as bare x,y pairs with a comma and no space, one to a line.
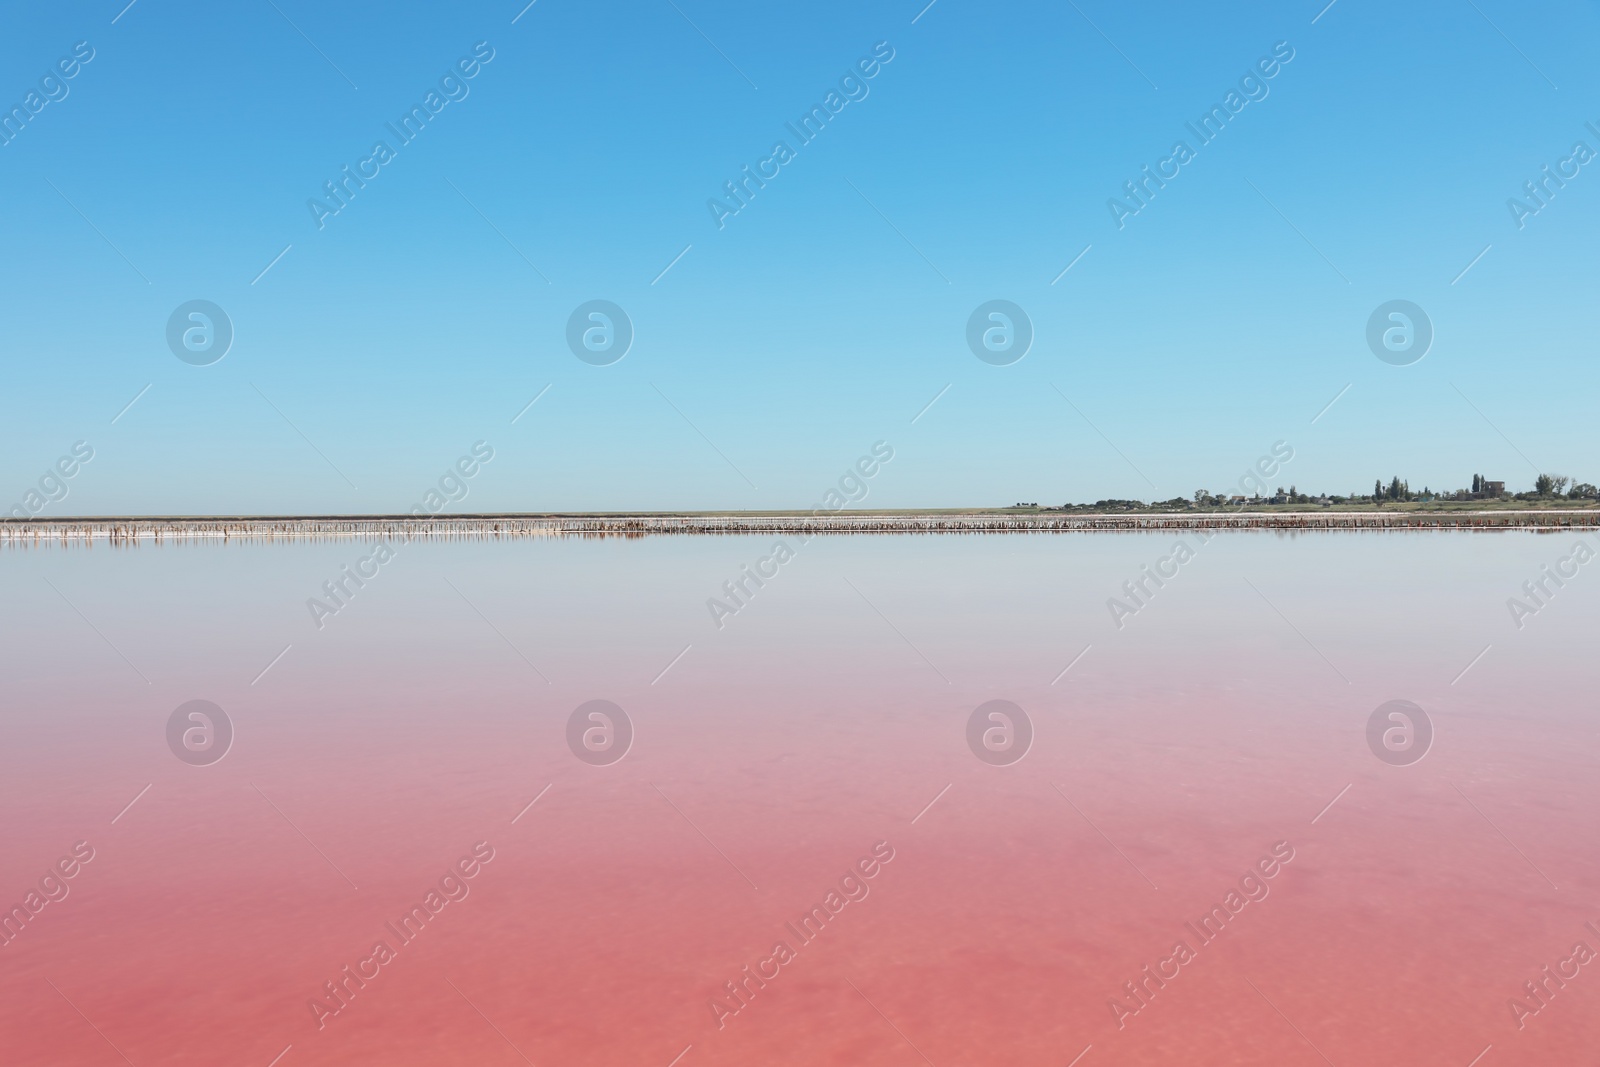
821,720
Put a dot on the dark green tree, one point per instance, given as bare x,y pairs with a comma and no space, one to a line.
1543,485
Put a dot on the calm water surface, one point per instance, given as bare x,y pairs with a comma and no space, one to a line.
1199,858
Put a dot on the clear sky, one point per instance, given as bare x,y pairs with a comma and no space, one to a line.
974,165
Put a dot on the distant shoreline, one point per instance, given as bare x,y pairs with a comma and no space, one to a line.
134,529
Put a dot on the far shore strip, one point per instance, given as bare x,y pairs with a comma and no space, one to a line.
310,527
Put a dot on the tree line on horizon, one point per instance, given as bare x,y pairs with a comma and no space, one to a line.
1397,490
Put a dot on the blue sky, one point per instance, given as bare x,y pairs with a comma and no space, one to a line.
831,309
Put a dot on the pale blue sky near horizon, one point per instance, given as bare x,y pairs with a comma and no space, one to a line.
832,308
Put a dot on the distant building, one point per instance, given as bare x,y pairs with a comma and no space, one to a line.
1494,488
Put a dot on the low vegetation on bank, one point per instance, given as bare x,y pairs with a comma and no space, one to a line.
1484,494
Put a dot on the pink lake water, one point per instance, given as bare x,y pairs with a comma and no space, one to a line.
1221,731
